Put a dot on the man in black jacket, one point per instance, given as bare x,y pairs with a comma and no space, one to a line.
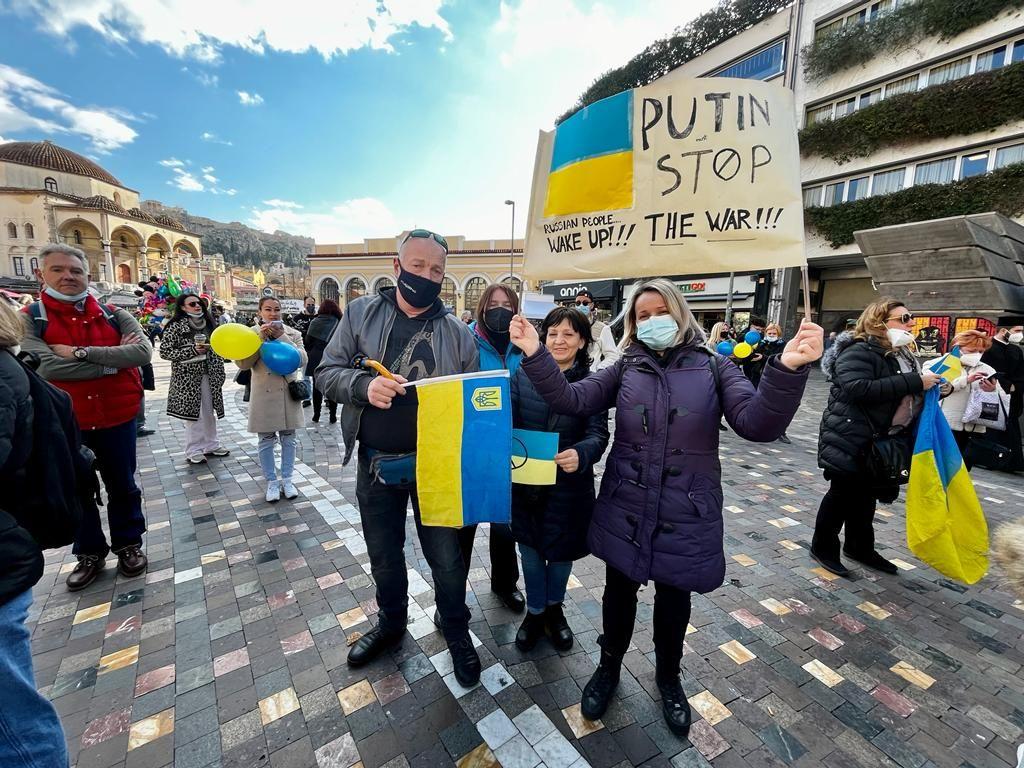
1006,356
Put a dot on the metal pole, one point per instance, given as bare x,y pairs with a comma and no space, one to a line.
728,300
512,248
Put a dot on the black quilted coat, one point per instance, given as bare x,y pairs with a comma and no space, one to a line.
866,384
554,519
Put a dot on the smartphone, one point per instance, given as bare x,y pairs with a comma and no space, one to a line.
276,324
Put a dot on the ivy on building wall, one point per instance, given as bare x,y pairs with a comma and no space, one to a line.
855,44
726,20
1001,191
969,105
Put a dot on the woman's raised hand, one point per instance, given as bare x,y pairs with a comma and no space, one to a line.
805,347
524,335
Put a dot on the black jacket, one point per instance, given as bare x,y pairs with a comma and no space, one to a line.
1008,360
316,337
866,385
21,559
554,519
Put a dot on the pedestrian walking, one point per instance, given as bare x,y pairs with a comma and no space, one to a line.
408,330
273,413
197,377
550,523
317,337
497,304
1007,357
93,352
659,512
603,349
876,395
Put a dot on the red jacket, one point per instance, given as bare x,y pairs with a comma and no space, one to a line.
106,401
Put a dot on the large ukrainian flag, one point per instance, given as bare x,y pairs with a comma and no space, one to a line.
946,527
592,159
464,449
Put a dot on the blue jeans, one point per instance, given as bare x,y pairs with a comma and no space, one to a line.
115,455
545,579
30,732
382,509
267,442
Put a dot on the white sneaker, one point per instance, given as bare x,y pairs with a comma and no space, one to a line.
290,491
197,458
273,491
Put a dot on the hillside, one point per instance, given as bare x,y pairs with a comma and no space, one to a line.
240,244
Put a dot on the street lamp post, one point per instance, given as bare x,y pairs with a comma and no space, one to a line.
511,246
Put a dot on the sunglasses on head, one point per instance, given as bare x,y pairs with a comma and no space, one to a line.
905,318
426,234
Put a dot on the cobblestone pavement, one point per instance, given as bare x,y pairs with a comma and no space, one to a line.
231,651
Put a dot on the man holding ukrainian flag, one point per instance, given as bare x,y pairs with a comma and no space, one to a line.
407,335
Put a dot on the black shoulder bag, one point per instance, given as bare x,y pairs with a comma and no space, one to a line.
887,458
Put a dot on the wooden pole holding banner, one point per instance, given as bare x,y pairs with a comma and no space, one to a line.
807,293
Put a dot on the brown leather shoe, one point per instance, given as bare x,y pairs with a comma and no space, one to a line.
85,573
131,561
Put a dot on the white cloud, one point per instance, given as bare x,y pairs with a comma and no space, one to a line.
344,222
27,104
210,178
219,191
213,138
208,169
247,99
203,78
172,162
199,30
185,181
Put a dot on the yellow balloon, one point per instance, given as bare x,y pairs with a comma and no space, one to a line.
742,350
235,341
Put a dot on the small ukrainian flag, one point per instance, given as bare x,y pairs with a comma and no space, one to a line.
949,366
592,159
533,457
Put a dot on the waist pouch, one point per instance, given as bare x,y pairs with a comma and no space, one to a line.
397,470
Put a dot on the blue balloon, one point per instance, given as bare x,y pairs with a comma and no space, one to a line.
279,357
724,348
752,338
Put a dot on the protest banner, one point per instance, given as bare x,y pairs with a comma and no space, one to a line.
684,176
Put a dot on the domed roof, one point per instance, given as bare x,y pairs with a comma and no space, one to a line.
104,204
138,213
46,154
168,221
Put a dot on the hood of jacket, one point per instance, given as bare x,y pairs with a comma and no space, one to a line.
828,360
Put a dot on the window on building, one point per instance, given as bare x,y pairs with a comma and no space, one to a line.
845,107
759,66
474,290
945,73
834,193
33,264
935,172
514,283
19,266
973,165
78,236
1018,52
869,98
903,85
103,271
827,29
382,282
818,114
890,181
880,9
1009,155
12,230
449,292
812,197
990,60
858,189
329,290
50,183
30,232
354,289
117,198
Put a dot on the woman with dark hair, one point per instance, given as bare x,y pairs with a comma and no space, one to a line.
494,312
197,377
318,333
550,522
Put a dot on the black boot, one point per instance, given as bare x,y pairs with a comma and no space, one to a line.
558,628
465,660
530,631
830,564
872,560
674,706
373,644
598,692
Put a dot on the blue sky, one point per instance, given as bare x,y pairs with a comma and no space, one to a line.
338,119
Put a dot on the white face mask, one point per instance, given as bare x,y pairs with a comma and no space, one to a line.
970,358
1016,338
899,337
772,338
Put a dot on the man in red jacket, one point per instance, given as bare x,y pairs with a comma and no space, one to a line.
93,353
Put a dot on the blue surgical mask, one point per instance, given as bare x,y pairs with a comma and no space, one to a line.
584,308
53,293
657,332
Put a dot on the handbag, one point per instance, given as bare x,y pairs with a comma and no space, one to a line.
987,409
983,451
888,456
299,390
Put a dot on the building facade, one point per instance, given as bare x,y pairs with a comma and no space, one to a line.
346,271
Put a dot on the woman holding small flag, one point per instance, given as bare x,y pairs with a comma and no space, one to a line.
659,512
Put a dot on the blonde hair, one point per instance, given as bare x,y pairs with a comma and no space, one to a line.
11,325
971,338
689,330
768,329
872,321
717,331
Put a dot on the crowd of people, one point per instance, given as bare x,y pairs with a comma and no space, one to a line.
657,516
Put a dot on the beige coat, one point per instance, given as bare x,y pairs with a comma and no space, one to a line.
271,408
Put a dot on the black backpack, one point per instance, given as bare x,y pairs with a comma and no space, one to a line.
59,471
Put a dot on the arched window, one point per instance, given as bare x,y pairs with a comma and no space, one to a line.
50,183
474,290
78,236
124,241
448,292
382,282
12,230
124,273
354,289
514,283
329,289
30,232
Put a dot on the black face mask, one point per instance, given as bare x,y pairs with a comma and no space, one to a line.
420,292
497,320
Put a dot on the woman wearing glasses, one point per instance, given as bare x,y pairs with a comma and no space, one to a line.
877,387
197,377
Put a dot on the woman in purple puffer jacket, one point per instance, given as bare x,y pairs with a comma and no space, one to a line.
659,512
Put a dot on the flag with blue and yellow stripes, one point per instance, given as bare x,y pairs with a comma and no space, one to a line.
946,527
464,449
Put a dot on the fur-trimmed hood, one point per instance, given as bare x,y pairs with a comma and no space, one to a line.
828,360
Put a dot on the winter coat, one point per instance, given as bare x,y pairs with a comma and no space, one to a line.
184,393
21,560
603,350
316,338
271,408
554,519
867,388
955,403
490,360
659,512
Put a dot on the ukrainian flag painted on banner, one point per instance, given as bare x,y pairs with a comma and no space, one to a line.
949,366
945,524
592,159
464,449
533,457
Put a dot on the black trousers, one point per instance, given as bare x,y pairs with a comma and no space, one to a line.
504,561
850,502
963,439
318,401
671,615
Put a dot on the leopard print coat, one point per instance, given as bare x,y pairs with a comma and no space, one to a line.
184,393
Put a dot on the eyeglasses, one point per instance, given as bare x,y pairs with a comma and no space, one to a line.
584,303
193,304
426,234
905,318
